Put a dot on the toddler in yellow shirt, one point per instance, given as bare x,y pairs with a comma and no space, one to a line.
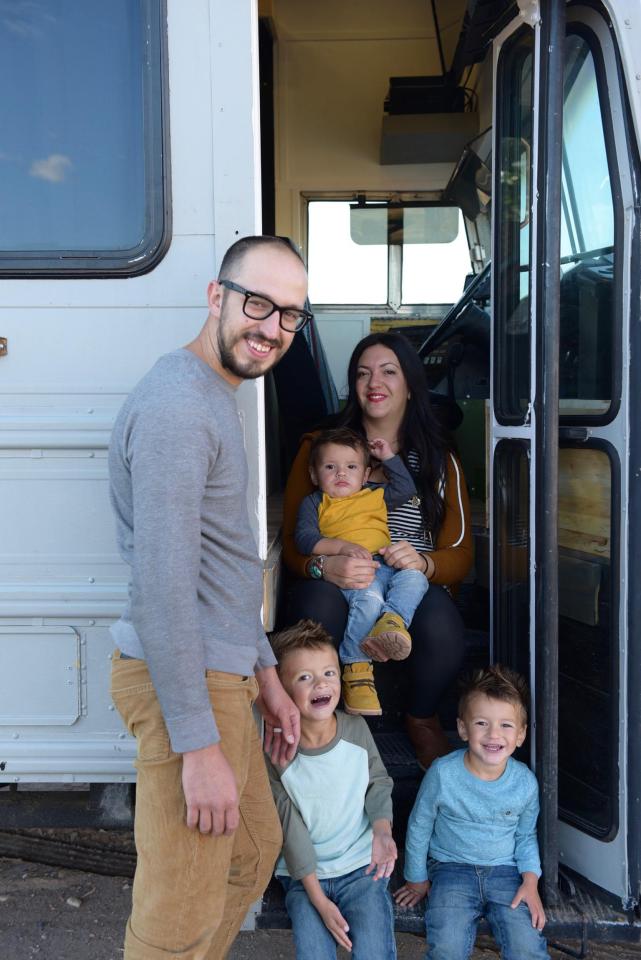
347,516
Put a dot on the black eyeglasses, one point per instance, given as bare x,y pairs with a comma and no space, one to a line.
258,307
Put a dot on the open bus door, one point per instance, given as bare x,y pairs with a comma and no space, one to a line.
565,236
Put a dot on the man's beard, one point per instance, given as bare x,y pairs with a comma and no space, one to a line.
249,369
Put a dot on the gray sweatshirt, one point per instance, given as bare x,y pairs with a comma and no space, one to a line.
178,476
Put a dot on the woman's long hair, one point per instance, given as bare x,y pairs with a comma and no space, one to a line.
419,431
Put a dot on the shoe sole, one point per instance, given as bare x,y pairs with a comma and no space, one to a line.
394,645
362,713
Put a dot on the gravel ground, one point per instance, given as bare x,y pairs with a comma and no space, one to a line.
58,914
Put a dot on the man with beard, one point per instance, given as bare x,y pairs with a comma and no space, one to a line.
191,655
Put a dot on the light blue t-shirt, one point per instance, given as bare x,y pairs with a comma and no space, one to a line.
459,818
327,799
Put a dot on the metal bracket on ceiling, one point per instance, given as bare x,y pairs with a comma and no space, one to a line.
530,12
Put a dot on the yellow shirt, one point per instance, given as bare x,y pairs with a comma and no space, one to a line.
360,518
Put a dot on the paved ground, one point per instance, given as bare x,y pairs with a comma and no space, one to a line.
53,914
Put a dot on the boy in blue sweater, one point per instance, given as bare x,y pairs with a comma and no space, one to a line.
471,838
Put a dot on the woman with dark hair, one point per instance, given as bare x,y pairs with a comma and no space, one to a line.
388,398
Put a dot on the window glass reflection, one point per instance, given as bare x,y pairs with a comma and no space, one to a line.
587,243
513,230
77,126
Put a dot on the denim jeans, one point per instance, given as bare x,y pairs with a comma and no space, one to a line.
191,891
398,591
460,895
363,902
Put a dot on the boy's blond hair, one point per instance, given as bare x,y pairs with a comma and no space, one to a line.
498,683
304,635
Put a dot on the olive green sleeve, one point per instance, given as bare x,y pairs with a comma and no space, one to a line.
378,798
298,848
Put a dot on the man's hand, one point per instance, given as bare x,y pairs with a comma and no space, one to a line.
281,716
210,791
410,893
384,852
529,894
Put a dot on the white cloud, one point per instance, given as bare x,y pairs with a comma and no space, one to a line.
53,169
26,18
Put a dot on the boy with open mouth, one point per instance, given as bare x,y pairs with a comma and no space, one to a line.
335,804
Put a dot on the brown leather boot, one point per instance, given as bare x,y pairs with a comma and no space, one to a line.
428,739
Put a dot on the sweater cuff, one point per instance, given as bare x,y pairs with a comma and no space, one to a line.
192,733
266,657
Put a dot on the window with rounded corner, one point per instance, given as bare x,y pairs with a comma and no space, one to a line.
512,239
589,538
589,215
83,184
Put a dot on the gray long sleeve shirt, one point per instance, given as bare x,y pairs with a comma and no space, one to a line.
178,476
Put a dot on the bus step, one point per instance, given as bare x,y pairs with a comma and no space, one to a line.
583,917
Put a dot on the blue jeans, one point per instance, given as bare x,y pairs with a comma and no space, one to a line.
398,591
364,903
460,895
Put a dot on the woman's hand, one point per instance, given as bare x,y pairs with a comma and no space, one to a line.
402,556
350,573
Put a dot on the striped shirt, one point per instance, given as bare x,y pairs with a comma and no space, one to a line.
406,522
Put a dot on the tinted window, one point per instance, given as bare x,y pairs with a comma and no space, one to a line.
588,640
513,230
81,175
587,243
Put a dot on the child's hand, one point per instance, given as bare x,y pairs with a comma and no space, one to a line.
334,921
380,449
354,550
529,894
384,854
411,893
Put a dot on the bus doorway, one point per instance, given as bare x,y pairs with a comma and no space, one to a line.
485,353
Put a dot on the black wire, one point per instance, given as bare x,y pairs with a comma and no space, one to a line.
438,38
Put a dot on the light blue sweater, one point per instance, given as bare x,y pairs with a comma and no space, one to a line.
459,818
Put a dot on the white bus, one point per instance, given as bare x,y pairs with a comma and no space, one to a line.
466,171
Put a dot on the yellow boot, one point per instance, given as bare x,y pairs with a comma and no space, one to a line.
359,692
388,639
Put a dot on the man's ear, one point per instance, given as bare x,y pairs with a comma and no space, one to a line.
520,737
462,729
214,297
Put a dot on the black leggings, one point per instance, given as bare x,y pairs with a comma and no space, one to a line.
438,640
